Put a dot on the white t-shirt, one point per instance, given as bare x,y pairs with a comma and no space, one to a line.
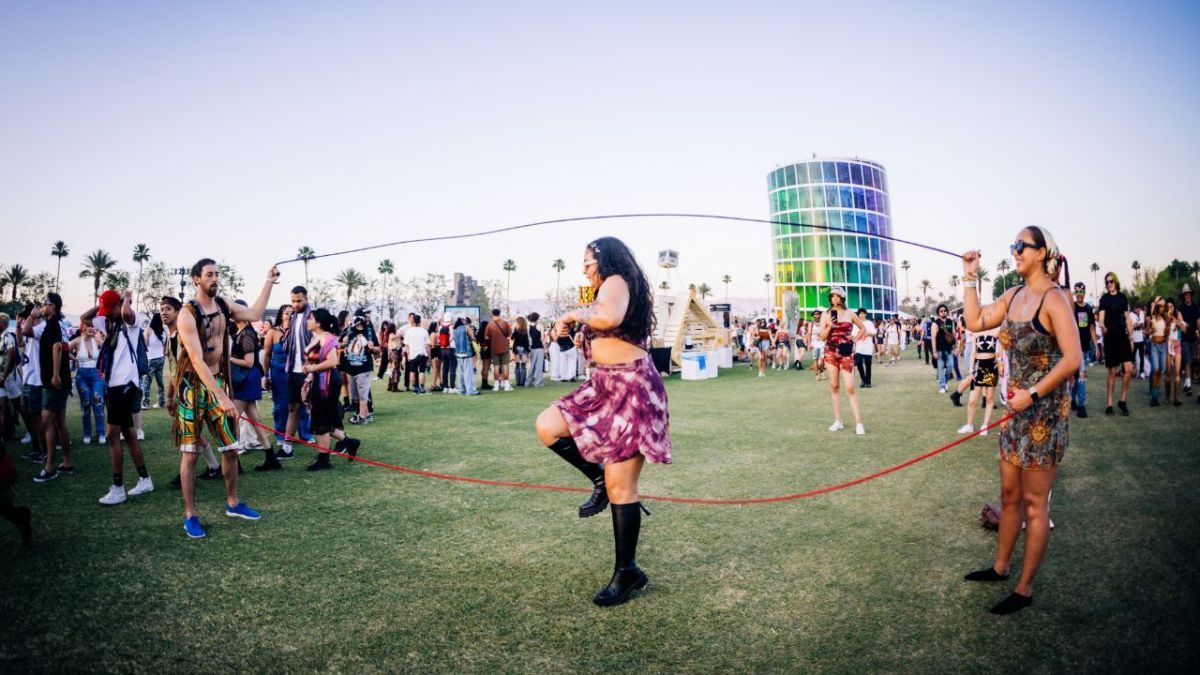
124,365
1139,318
864,347
416,341
298,347
893,334
31,368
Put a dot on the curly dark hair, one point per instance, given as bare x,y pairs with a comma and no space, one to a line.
614,257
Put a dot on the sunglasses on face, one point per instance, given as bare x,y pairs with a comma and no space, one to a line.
1018,247
1109,282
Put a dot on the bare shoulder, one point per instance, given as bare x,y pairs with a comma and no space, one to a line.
1058,300
615,282
1007,296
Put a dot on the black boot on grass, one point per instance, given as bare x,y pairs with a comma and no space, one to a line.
627,577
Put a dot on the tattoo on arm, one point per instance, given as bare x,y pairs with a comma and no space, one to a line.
584,314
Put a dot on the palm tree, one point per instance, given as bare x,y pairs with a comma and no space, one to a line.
726,280
306,253
703,290
558,266
1095,277
509,267
1136,266
16,275
1002,267
904,266
767,281
954,283
95,266
141,253
925,286
59,251
387,269
350,279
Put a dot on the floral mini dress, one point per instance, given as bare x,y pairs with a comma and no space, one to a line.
1035,438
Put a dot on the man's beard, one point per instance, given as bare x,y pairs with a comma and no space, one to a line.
211,292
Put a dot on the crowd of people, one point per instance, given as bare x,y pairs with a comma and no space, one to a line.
212,361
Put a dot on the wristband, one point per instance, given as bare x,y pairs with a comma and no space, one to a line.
1034,395
970,284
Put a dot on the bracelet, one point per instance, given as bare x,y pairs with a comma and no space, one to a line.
970,283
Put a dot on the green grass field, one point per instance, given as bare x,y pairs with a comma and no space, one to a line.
361,569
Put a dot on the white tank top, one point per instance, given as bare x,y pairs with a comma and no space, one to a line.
89,351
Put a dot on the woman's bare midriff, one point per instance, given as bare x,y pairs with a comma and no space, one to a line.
612,352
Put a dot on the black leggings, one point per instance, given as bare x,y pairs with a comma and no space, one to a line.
863,361
383,362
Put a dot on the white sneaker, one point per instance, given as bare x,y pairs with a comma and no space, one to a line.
116,495
87,440
984,432
27,439
141,435
860,430
102,440
941,390
143,486
966,429
837,426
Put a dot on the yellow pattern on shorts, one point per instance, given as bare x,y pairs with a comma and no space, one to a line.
197,405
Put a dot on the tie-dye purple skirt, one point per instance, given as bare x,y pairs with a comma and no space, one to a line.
620,412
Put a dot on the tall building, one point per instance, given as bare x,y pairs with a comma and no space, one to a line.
463,290
842,193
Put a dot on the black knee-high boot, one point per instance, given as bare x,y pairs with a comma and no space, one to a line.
627,577
521,374
566,448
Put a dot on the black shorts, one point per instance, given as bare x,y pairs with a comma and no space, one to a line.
418,364
1116,349
123,402
294,384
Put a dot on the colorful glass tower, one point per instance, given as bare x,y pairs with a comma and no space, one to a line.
848,194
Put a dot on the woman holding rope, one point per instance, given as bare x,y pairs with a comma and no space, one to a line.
609,426
1038,330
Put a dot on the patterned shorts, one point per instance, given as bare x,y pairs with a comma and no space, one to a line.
839,362
198,405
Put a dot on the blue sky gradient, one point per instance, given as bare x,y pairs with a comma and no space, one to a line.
244,132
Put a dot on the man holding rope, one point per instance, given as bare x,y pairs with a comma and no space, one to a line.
201,385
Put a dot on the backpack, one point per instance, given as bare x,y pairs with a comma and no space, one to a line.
239,375
184,367
108,352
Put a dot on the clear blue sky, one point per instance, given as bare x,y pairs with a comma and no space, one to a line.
243,130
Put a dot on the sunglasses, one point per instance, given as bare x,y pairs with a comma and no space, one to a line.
1109,282
1018,247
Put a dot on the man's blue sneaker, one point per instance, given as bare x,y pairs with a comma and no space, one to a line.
242,511
193,528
